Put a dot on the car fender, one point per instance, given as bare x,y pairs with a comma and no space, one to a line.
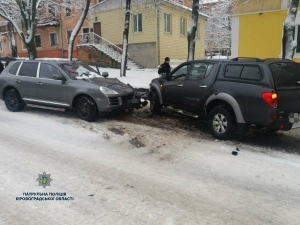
231,101
155,86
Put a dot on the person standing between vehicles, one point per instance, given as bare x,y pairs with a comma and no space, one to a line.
165,68
1,66
7,60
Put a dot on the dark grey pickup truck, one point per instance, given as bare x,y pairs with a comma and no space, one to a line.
232,95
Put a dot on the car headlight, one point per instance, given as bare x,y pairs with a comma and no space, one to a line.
108,91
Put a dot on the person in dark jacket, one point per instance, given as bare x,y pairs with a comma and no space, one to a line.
165,67
7,60
1,67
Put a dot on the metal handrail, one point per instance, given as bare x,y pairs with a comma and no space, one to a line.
103,44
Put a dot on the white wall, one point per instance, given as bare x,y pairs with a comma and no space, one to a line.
235,34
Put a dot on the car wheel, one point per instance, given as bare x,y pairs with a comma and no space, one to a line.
13,101
86,109
221,123
155,106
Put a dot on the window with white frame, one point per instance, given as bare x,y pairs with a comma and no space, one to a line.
167,19
182,26
1,47
137,23
38,41
53,39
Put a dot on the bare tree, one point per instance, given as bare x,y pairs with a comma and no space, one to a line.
288,43
192,30
125,39
23,17
84,5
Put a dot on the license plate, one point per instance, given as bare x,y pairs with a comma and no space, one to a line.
294,118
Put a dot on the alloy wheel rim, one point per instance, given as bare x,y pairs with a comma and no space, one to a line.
84,109
220,123
12,101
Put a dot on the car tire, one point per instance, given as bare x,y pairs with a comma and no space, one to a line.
13,101
155,106
86,109
221,123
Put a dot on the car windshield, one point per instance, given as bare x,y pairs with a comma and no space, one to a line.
77,71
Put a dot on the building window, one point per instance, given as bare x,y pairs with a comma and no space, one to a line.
68,9
85,30
38,41
182,26
53,39
3,29
1,47
137,23
69,32
167,18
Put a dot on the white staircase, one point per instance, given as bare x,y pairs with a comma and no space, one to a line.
108,48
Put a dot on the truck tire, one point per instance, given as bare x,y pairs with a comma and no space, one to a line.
86,109
221,123
155,106
13,101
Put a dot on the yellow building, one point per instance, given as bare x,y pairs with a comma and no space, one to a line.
152,35
257,29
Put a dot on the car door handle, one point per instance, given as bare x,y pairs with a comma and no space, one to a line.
39,83
180,85
203,86
18,81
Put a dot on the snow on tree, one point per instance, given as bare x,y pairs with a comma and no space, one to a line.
125,39
23,17
218,25
79,6
192,30
288,43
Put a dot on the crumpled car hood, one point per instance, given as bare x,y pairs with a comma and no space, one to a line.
111,83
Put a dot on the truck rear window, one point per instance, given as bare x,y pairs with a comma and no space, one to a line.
286,75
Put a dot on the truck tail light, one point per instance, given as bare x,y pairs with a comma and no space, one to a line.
271,99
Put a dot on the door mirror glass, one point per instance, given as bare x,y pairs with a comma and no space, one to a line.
58,77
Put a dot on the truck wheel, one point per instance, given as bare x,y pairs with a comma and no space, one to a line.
221,123
86,109
13,101
154,103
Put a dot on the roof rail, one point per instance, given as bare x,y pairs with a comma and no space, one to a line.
277,59
247,59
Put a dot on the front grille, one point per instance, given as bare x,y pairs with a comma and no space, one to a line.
115,100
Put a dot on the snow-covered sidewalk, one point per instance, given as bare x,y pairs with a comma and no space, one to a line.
136,78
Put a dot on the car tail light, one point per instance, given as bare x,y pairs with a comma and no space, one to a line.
281,127
274,117
271,99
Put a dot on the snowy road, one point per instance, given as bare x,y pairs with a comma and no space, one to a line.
181,176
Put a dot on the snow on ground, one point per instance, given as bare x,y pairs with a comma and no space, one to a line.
136,78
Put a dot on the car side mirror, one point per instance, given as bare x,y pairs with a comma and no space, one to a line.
105,74
58,77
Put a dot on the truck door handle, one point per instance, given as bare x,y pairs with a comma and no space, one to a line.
18,81
180,85
203,86
39,83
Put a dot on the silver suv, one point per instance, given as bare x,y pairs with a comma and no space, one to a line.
64,84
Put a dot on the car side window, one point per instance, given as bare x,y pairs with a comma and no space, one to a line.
14,69
251,73
233,71
181,73
47,71
29,69
200,71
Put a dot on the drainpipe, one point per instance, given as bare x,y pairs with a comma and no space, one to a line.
158,32
61,34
